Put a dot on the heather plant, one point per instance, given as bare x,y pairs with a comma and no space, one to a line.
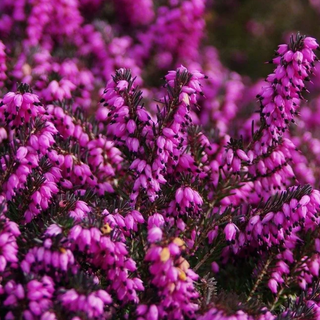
123,200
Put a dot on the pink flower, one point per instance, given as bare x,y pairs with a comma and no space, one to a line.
154,234
230,231
273,285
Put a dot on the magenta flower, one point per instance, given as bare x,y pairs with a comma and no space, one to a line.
8,245
92,305
273,285
3,67
154,234
32,299
174,281
230,231
281,97
152,203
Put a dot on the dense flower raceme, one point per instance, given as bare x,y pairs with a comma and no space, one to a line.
271,160
109,255
9,248
282,95
32,298
281,226
172,278
166,137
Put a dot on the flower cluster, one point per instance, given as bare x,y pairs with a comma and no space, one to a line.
116,205
31,300
172,278
282,95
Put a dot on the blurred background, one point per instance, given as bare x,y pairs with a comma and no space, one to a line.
246,32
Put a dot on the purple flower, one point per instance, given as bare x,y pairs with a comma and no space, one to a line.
45,258
92,304
8,245
33,298
154,234
173,279
3,67
281,97
273,285
230,231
